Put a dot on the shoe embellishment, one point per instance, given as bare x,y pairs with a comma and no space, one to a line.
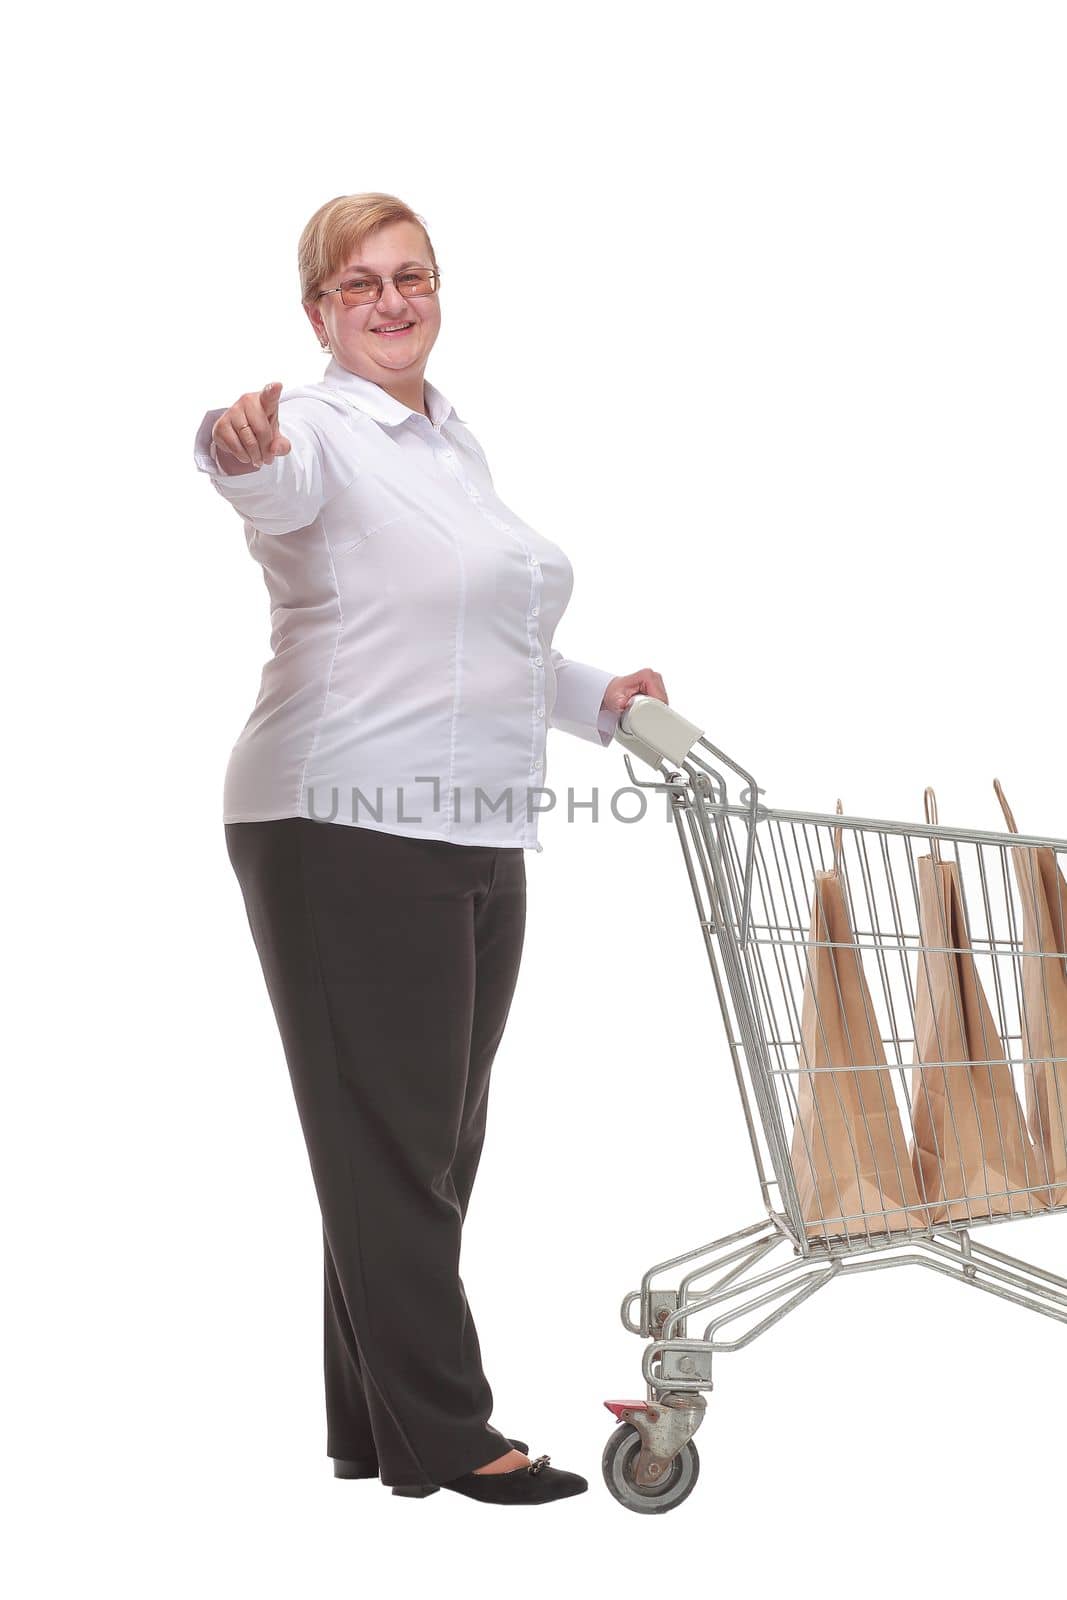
537,1465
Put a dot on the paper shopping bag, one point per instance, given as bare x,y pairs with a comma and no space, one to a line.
849,1153
1044,1004
972,1153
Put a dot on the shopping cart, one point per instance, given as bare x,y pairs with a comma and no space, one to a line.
752,872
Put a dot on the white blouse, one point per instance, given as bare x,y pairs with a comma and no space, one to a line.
413,677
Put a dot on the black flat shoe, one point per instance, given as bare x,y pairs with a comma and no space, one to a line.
354,1469
419,1491
369,1469
525,1486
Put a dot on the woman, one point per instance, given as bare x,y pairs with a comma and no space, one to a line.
377,806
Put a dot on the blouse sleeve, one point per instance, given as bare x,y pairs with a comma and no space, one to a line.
289,492
579,693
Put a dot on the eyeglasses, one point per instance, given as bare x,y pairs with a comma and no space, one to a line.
369,286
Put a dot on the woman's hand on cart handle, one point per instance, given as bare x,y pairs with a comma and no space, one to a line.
620,691
247,434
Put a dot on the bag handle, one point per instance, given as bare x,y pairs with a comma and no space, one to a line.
1005,807
930,810
837,838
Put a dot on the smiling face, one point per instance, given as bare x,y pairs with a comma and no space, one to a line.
389,359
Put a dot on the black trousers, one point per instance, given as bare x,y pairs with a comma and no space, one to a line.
390,963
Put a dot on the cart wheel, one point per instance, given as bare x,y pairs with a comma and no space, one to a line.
620,1459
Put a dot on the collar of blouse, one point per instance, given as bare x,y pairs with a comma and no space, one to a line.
379,404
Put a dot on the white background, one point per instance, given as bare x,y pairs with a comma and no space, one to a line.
758,311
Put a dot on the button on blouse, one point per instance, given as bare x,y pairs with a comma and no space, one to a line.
413,677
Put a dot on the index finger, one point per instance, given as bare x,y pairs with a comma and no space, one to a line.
268,399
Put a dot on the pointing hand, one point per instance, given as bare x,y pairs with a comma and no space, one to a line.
248,431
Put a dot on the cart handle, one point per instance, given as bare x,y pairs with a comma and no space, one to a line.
652,730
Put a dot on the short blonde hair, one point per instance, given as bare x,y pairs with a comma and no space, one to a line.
339,227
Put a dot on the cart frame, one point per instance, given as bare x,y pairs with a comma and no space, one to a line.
728,851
